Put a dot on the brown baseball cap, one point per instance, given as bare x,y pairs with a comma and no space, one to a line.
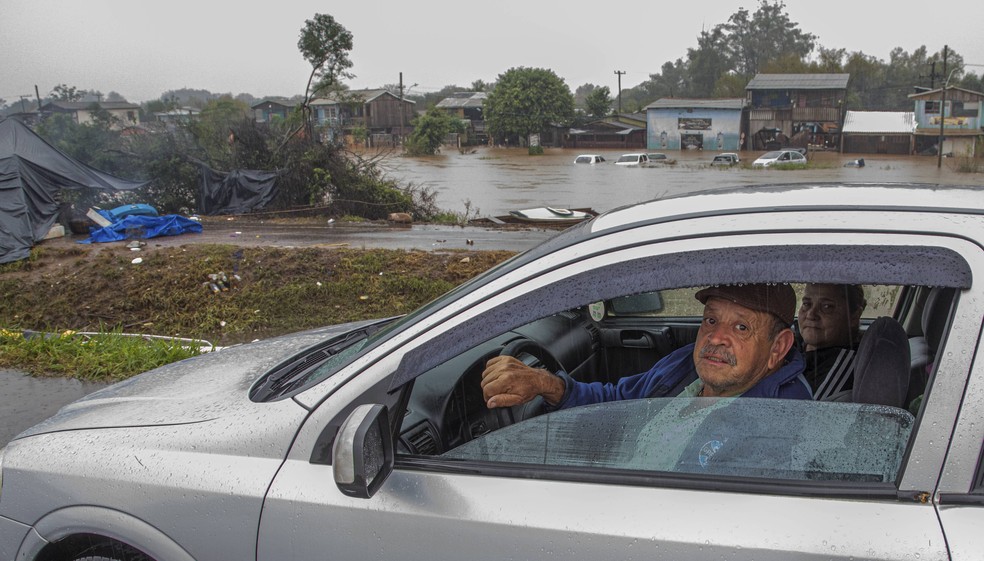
776,299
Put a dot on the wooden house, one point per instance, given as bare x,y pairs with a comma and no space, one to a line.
959,113
379,112
795,109
468,106
122,114
273,108
623,132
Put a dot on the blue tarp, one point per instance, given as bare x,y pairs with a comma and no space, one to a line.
137,227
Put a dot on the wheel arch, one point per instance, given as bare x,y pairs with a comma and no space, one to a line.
96,526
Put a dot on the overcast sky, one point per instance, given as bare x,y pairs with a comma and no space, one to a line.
142,49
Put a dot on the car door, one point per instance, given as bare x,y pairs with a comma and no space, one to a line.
960,496
431,508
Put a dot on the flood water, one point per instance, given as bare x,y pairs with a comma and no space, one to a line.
497,180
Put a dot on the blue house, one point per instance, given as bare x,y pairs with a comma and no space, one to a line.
959,112
688,124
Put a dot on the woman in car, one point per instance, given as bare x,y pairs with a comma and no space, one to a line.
829,322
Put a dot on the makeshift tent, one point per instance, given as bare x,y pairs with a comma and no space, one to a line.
31,174
236,192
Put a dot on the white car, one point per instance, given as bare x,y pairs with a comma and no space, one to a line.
373,440
726,159
632,160
780,157
589,159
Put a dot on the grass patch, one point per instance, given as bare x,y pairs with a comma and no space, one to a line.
105,357
282,290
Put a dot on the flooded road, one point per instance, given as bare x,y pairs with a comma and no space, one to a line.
497,180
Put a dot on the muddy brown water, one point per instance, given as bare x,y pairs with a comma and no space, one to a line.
497,180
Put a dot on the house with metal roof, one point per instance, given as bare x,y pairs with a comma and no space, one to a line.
878,132
468,106
122,114
384,116
795,109
272,108
701,124
952,115
625,131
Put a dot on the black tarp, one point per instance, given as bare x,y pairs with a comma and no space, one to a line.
236,192
31,174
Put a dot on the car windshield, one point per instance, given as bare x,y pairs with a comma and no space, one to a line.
770,155
584,159
629,158
749,437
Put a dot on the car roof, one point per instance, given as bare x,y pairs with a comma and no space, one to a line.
736,200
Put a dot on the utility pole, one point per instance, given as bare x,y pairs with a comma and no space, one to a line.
401,108
619,73
939,141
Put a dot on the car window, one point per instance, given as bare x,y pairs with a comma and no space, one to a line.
750,437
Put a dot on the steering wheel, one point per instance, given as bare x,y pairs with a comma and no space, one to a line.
534,355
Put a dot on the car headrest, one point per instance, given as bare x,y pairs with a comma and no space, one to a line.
935,315
881,374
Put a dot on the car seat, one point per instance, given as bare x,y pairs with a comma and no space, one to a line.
935,314
881,367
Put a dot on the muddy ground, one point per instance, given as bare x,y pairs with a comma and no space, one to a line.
291,276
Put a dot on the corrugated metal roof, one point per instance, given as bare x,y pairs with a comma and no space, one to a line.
935,94
464,100
348,96
683,103
85,105
879,122
799,82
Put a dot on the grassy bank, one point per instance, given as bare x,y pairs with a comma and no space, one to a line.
269,292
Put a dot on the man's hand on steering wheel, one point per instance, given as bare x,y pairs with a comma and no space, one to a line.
507,381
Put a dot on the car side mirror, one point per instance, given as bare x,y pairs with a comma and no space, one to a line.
362,455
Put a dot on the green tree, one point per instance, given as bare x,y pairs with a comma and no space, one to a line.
63,92
325,44
430,130
755,39
214,132
599,102
527,101
866,88
708,62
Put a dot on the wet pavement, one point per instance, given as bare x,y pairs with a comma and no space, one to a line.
28,400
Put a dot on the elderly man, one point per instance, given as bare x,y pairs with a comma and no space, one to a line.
744,348
829,321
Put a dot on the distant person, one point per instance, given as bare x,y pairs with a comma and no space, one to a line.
829,322
744,347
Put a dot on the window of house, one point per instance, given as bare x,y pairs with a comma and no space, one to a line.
932,107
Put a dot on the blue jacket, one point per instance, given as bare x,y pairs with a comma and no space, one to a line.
674,372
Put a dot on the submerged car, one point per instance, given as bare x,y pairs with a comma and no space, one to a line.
660,158
780,157
726,159
354,441
589,159
632,160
